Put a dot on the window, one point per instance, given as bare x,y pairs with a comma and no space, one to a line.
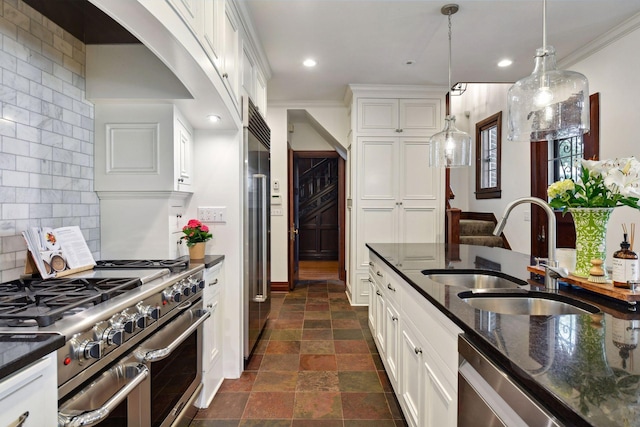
565,155
488,147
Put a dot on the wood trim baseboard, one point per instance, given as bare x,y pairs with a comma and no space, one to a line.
279,286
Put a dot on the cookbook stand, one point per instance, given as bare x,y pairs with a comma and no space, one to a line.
31,268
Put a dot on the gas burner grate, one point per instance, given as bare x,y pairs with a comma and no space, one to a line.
178,264
45,301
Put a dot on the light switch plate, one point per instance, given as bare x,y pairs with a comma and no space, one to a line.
213,214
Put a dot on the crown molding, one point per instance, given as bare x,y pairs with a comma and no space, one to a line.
608,38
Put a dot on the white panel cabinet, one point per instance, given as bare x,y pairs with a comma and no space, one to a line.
395,196
411,117
230,64
212,344
142,147
189,11
421,362
28,397
213,30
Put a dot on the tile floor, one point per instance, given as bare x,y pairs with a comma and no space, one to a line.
316,365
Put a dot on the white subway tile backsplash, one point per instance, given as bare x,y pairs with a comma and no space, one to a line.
46,134
12,178
15,210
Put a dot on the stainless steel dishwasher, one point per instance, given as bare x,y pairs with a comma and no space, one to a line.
487,397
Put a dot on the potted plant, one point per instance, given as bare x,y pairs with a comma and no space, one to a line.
602,186
196,234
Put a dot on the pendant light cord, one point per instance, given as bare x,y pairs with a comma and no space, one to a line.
449,88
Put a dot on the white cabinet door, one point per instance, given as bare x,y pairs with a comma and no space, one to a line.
371,310
377,116
212,35
380,308
248,73
419,116
231,53
392,341
410,375
212,332
184,142
30,395
439,397
261,93
189,11
409,117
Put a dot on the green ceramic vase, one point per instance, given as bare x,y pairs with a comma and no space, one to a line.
591,237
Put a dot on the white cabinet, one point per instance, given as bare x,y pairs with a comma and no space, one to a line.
384,116
428,395
213,30
142,147
212,376
421,362
189,11
30,395
230,63
395,195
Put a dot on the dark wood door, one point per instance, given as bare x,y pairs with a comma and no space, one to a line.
317,201
293,221
540,180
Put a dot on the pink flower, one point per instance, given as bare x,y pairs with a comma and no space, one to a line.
193,223
204,228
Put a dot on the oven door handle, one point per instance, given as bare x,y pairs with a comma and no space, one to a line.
93,417
161,353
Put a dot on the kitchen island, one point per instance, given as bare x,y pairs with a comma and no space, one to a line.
580,367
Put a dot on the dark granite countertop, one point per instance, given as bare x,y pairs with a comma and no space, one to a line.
19,350
209,260
582,367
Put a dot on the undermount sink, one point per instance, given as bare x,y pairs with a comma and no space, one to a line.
527,303
475,280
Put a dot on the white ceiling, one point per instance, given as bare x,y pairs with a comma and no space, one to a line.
369,41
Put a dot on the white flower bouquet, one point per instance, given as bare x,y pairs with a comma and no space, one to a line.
602,184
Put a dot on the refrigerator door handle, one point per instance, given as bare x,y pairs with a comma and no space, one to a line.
261,293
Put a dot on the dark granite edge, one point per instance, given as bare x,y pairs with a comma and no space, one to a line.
41,348
208,261
559,409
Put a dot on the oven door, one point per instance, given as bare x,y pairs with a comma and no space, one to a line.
174,358
154,385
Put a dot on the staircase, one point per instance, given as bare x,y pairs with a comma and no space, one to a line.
473,228
479,232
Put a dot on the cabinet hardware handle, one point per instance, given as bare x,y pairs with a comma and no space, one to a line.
394,318
369,279
225,75
378,274
378,293
215,282
418,350
391,288
370,263
209,305
21,420
180,179
401,130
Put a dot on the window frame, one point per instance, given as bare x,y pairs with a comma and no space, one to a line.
496,191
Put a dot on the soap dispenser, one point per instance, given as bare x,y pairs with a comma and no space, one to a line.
625,265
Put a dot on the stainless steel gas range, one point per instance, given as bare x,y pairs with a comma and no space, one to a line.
133,337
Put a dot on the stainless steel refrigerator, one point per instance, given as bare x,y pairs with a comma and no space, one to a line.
257,226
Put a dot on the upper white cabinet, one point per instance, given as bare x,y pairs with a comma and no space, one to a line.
230,68
142,148
212,32
408,117
189,11
395,196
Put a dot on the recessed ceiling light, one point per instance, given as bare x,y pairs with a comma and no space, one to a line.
309,63
505,63
214,118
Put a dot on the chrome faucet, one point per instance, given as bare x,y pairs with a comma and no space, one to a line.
550,279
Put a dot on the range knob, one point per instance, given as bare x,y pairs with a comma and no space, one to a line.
124,321
148,311
173,294
186,288
91,349
113,336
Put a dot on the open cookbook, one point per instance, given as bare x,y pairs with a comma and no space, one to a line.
59,251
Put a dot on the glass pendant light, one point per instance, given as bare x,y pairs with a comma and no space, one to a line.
451,147
550,103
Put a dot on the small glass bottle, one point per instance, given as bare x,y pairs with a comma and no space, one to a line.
625,265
